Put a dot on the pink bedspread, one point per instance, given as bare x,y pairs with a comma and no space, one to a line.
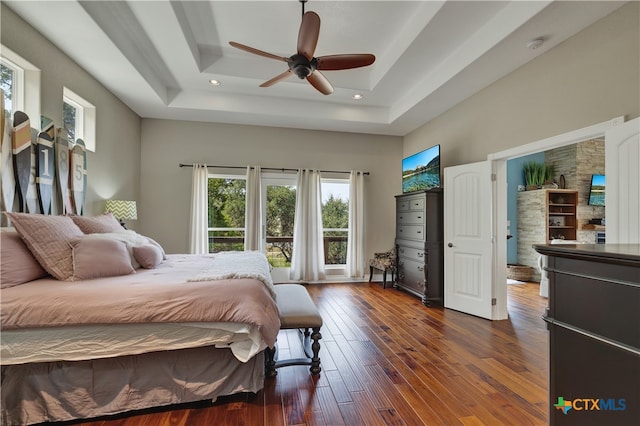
148,296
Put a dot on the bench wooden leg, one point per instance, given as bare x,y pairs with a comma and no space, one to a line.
311,347
370,273
270,362
315,347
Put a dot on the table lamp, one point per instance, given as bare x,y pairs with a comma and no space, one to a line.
122,210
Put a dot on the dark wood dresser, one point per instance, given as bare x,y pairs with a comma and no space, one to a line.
594,333
419,245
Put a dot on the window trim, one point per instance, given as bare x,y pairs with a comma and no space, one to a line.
29,90
17,84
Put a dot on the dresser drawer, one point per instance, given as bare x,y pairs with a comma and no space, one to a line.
410,253
410,218
402,206
414,232
416,203
411,275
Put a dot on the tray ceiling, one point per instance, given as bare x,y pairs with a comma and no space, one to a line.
158,56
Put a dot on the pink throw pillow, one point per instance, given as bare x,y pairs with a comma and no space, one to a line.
97,224
96,258
48,238
155,243
18,264
148,256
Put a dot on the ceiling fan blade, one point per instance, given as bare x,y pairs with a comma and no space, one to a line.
308,35
320,82
344,62
276,79
257,52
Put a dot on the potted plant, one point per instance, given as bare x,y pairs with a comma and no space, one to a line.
537,174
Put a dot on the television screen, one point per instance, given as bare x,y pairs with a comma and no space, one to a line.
422,170
596,191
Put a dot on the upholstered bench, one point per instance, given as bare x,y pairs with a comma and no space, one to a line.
297,311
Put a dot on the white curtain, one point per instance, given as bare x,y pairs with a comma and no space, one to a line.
307,260
198,234
253,210
355,244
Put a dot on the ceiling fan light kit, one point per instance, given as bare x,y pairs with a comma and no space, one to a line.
304,64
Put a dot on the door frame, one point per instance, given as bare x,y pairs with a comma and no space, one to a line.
499,169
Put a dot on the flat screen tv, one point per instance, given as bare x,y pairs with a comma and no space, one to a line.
422,170
596,191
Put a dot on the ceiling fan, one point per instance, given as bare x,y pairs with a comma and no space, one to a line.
304,64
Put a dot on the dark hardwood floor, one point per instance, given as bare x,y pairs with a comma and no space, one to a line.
389,360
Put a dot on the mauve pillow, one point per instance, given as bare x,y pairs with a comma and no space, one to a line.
18,265
148,256
95,258
97,224
48,238
155,243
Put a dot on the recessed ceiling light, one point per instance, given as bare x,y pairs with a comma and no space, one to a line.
214,82
357,96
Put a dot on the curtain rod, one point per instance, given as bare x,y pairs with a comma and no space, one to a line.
269,168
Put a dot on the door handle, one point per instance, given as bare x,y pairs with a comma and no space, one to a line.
450,245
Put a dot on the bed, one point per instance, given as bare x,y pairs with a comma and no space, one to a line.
126,330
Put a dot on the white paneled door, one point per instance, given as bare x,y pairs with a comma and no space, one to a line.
468,258
622,196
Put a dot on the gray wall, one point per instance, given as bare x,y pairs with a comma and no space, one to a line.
590,78
166,188
113,168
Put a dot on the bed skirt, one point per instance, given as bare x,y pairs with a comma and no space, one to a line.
66,390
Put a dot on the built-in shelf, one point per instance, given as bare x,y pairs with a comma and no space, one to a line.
561,210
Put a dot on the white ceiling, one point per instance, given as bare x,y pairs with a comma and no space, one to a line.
158,56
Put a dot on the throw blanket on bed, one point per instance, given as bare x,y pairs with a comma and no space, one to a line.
246,264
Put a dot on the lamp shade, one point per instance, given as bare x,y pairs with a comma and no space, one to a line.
121,209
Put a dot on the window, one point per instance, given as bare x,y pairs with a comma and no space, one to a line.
11,83
335,220
79,118
20,82
72,118
279,193
226,204
227,201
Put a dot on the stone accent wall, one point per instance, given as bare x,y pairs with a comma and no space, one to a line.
564,161
590,160
531,228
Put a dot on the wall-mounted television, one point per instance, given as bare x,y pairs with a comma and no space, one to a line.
596,190
422,170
